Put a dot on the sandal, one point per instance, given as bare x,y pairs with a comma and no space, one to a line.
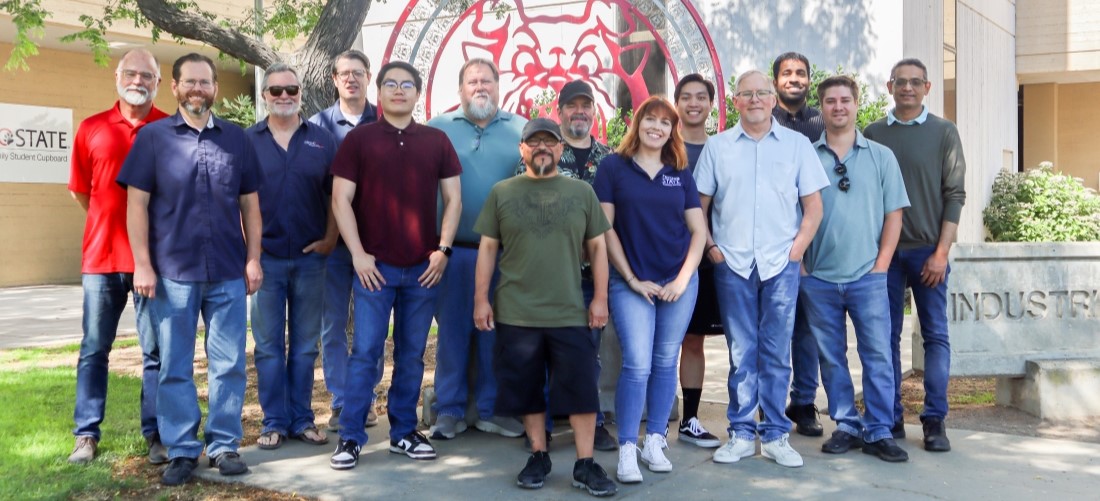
309,440
279,438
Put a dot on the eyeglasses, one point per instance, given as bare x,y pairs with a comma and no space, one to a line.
277,90
841,170
146,77
759,94
550,141
911,82
205,84
347,74
392,85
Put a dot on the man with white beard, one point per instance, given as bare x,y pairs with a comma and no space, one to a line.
485,138
295,156
107,266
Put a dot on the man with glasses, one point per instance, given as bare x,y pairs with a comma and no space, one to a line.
388,176
929,151
844,272
544,321
350,75
485,137
791,72
764,181
191,183
107,267
295,156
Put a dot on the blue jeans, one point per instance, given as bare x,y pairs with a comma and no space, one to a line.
905,270
339,275
412,307
284,360
650,335
804,360
175,311
105,297
455,315
865,300
759,319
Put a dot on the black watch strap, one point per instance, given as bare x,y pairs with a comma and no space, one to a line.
446,250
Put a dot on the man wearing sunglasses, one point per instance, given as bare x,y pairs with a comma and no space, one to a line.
764,180
295,156
388,176
485,137
930,154
844,272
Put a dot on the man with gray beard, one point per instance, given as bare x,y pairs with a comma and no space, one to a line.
107,265
485,139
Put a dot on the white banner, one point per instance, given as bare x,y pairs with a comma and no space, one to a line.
35,144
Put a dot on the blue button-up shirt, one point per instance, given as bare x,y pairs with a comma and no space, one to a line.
332,119
294,197
756,187
891,119
194,179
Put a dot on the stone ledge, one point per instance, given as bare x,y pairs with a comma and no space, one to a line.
1056,389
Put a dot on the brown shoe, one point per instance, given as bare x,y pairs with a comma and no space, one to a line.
84,451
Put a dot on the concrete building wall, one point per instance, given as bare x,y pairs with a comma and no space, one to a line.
1058,40
1056,129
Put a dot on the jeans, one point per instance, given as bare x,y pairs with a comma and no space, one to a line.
865,300
105,297
759,319
931,302
412,306
650,336
454,314
804,360
339,275
284,360
175,311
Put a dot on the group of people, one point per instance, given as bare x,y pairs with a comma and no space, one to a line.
771,233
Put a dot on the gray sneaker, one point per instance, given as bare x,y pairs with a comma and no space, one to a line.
446,427
372,419
84,450
334,421
158,453
503,426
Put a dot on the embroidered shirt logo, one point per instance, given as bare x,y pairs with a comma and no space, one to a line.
671,181
315,144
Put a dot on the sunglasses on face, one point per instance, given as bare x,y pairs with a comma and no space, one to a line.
277,90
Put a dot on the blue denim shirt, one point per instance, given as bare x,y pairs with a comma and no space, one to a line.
332,120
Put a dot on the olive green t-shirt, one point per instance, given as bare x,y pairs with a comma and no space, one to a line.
542,225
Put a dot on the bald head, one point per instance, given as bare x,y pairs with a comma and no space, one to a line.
137,77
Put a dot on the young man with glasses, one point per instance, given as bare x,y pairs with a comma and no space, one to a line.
351,76
764,181
295,156
844,273
388,176
929,151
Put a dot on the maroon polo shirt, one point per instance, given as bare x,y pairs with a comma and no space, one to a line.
396,174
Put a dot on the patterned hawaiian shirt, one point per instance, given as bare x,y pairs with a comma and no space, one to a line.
567,165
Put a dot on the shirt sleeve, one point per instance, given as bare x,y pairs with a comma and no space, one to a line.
603,184
252,176
691,192
894,196
140,168
954,176
346,162
811,175
450,165
597,221
80,172
488,224
705,181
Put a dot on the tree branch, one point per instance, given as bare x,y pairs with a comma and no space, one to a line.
193,26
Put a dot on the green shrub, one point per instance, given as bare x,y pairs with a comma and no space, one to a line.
240,111
1041,205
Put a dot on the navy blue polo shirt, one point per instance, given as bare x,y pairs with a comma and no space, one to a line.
649,214
194,180
294,197
332,120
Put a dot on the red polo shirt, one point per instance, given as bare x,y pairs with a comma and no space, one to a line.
102,143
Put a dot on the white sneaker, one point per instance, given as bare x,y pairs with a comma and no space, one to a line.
628,471
653,453
781,452
734,450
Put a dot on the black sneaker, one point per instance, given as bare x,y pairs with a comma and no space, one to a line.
841,442
414,445
898,431
590,476
935,436
346,455
527,442
536,471
229,463
179,471
692,432
886,450
805,419
603,441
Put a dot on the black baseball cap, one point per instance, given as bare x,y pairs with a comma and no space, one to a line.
540,125
574,89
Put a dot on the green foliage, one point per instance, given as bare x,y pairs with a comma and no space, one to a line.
240,110
1042,205
283,20
543,104
29,19
617,125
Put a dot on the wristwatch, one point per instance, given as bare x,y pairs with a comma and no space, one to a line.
446,250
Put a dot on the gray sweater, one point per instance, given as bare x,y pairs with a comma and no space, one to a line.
932,164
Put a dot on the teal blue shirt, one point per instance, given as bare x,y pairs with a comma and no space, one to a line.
488,155
847,242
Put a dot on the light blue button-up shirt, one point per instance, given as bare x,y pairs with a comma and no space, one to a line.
756,187
892,119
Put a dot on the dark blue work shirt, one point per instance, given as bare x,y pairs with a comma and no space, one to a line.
649,214
332,119
194,180
294,197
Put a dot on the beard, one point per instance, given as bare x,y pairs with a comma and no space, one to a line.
285,111
194,109
579,128
483,111
793,101
542,163
136,96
